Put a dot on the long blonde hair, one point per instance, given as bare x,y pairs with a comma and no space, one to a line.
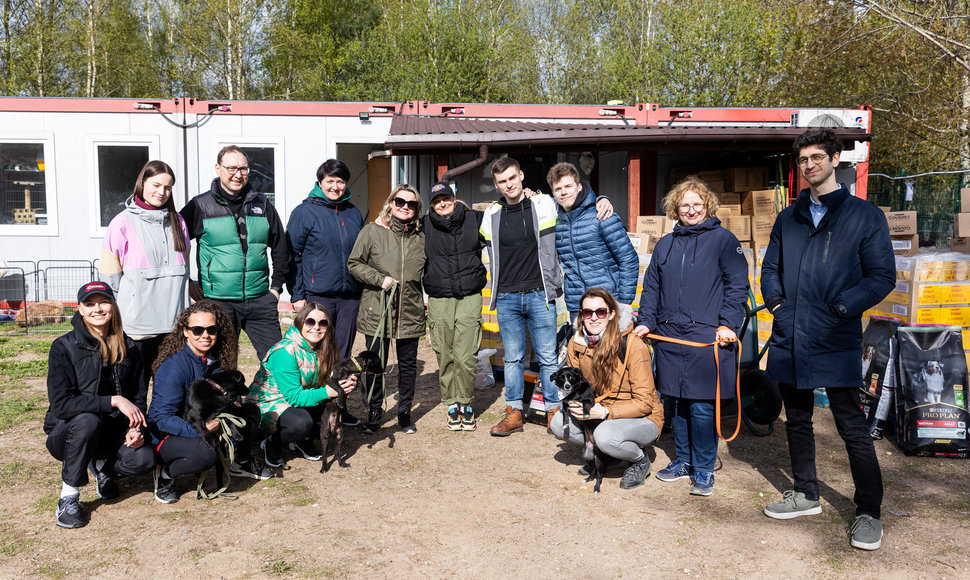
112,347
385,215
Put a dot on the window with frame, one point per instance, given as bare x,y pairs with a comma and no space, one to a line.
23,184
118,168
262,170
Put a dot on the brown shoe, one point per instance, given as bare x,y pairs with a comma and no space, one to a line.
512,423
549,415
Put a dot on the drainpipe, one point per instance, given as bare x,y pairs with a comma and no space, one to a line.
478,162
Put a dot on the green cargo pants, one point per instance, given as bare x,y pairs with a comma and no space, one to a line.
456,335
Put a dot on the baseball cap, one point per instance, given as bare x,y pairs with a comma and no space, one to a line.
94,288
440,188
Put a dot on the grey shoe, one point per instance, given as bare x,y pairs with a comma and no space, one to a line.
104,485
792,505
866,533
69,512
164,487
636,473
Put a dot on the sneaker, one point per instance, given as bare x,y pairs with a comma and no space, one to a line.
636,473
164,487
271,452
348,420
69,512
251,469
793,504
306,449
373,423
676,469
105,485
404,421
468,422
454,418
702,483
866,533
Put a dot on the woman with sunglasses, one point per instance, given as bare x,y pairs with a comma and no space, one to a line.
617,364
389,262
96,416
694,289
203,342
290,387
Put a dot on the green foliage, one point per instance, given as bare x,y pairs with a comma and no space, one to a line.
17,410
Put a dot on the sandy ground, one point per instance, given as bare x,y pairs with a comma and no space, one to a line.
440,504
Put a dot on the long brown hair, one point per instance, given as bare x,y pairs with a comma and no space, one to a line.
607,350
113,348
226,349
326,349
151,169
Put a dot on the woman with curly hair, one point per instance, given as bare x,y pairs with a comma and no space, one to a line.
290,387
203,342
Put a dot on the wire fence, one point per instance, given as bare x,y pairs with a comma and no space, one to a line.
41,296
934,198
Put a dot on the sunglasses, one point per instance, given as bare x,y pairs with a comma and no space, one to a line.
312,323
599,312
198,330
401,202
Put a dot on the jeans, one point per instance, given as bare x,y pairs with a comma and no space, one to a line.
622,439
851,425
695,435
343,320
516,311
259,317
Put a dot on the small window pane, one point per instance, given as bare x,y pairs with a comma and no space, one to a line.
262,171
23,192
118,168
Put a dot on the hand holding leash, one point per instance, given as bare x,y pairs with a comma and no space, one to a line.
726,336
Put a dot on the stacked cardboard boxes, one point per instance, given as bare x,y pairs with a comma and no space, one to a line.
902,228
650,228
960,242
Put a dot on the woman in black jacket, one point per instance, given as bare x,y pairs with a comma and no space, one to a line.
96,418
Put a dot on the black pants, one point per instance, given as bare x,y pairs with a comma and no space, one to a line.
850,423
191,454
343,320
299,423
149,352
407,361
88,436
259,317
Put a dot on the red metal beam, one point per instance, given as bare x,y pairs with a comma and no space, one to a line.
71,105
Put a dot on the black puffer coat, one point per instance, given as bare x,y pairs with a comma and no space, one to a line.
453,245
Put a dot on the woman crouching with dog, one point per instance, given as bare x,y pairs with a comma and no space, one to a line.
617,365
97,398
203,342
290,386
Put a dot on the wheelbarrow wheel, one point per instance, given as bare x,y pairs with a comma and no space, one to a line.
760,397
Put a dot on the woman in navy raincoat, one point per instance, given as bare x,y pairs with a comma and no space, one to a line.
695,289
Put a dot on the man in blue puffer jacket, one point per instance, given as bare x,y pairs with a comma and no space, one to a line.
593,253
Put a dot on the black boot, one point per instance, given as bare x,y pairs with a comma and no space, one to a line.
373,423
404,421
636,473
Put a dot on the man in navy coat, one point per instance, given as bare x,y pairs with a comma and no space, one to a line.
830,258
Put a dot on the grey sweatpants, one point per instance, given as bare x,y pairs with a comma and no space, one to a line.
619,438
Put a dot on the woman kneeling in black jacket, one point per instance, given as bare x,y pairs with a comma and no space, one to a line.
96,418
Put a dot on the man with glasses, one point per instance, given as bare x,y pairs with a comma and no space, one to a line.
234,226
829,259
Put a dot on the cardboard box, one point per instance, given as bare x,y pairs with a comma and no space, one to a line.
668,225
643,243
961,225
960,245
745,178
481,206
761,229
651,224
905,245
901,223
739,225
761,202
965,200
729,209
884,208
728,198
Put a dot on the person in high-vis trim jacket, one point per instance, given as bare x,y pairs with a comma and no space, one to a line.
234,226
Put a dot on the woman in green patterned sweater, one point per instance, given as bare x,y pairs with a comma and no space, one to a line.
290,386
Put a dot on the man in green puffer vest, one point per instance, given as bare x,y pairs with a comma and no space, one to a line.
233,227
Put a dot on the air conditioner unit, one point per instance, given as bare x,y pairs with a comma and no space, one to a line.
838,118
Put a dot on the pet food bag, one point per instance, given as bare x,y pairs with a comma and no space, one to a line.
877,410
484,377
931,383
877,347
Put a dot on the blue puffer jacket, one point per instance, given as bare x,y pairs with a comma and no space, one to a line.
847,260
172,381
696,282
322,234
594,253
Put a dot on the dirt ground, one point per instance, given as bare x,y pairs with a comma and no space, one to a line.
440,504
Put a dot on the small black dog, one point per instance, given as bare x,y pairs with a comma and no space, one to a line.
573,387
210,395
367,361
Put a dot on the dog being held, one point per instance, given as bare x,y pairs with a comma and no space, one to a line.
211,395
930,377
366,362
573,387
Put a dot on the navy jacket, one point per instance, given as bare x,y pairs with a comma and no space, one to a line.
594,253
847,265
172,381
697,281
322,233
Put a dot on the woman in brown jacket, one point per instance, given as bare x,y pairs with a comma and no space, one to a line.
617,364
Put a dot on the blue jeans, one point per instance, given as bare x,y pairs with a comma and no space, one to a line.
516,311
695,435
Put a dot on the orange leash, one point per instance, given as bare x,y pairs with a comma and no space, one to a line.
717,365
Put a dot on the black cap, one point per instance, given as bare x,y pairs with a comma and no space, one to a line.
94,288
440,188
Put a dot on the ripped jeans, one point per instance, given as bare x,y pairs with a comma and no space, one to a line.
516,312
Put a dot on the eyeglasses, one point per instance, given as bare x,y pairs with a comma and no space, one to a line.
311,323
198,330
401,202
815,157
696,207
599,312
235,170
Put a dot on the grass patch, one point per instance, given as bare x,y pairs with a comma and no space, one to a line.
15,410
12,346
279,568
12,543
45,505
51,570
16,471
15,369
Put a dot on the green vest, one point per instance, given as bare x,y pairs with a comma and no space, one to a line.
224,271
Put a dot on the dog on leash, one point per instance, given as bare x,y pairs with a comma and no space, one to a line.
367,361
573,387
211,395
930,379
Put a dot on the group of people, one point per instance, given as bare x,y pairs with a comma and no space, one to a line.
346,276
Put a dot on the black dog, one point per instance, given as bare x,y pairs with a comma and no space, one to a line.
210,395
573,387
366,362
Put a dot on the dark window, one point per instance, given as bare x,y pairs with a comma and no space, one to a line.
23,190
118,168
262,170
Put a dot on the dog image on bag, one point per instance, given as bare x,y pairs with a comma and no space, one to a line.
573,387
211,395
929,380
367,361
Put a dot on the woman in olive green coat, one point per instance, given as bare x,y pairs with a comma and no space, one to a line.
388,263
